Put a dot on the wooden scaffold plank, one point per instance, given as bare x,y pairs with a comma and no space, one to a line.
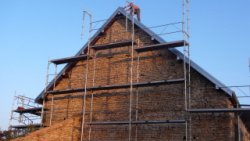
162,45
68,59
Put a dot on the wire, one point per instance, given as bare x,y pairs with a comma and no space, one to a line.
244,93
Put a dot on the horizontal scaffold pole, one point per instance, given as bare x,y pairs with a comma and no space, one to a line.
137,122
25,126
109,87
112,45
221,110
34,111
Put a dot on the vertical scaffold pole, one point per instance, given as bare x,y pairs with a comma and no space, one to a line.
238,124
52,97
92,95
83,19
249,72
12,108
86,73
131,76
137,91
188,41
184,69
186,66
45,93
189,67
126,24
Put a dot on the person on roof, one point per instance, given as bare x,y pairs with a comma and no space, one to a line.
131,7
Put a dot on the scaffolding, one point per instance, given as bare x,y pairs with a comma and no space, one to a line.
134,58
25,116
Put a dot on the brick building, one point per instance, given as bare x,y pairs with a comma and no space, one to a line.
109,107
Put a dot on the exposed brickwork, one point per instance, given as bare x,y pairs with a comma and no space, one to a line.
165,102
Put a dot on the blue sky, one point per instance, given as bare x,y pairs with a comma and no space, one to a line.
31,32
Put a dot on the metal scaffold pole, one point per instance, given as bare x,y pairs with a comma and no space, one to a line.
249,72
131,75
238,125
11,114
92,94
45,92
126,24
52,97
86,73
137,91
187,66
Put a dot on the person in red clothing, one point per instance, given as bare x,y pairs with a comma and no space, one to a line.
132,7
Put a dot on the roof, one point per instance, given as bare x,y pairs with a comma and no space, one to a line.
120,11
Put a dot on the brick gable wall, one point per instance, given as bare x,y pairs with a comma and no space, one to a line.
164,102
